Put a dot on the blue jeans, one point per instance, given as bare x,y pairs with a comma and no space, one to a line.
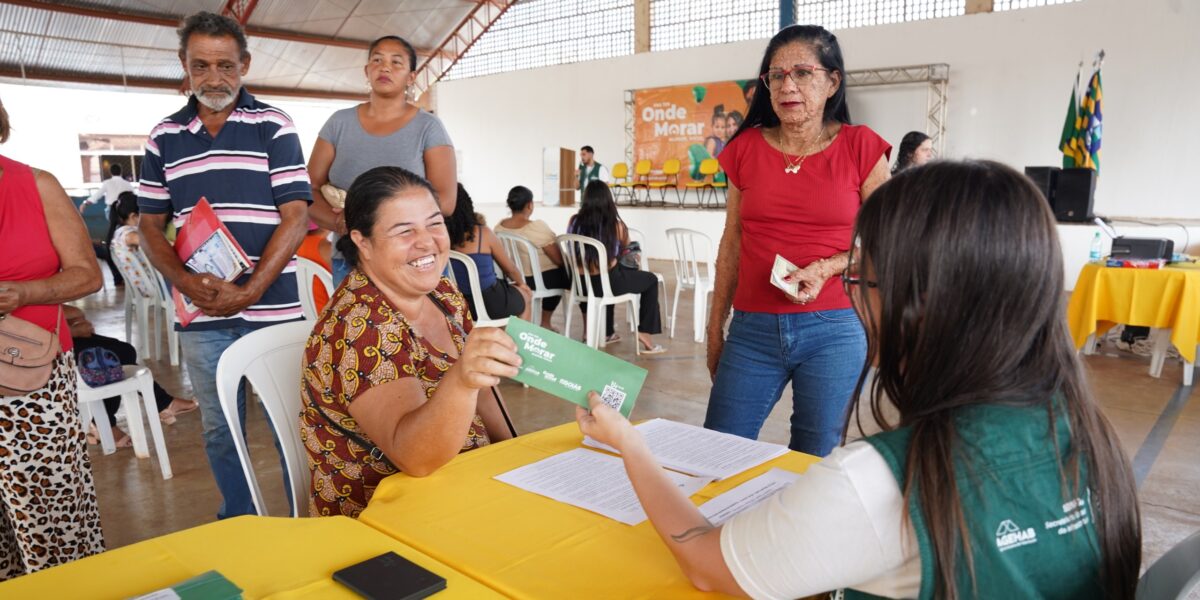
820,353
201,352
341,270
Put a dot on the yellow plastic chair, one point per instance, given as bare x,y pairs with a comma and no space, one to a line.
621,183
708,169
670,171
641,180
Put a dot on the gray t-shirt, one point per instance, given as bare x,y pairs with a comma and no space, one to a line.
356,151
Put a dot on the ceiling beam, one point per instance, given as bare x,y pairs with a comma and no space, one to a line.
33,74
172,22
240,10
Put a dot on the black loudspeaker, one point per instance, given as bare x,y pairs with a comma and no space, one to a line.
1044,178
1073,195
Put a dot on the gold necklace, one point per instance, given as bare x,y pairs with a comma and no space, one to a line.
791,167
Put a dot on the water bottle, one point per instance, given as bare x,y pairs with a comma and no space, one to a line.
1097,243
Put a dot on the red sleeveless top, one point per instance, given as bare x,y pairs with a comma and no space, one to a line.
25,245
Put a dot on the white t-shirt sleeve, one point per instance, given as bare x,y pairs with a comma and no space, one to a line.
841,525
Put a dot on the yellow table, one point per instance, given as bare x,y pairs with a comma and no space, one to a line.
528,546
267,557
1159,298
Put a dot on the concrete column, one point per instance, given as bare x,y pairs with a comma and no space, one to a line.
641,25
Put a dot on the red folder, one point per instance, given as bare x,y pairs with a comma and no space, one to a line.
204,245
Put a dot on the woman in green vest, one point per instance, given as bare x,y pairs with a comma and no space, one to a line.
1001,477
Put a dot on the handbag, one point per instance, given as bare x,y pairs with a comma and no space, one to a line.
99,366
27,354
632,256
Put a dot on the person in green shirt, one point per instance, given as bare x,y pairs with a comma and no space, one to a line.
590,170
1001,477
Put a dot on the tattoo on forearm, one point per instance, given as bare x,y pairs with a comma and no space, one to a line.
692,533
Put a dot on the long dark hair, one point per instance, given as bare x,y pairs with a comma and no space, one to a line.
126,205
368,192
597,218
462,222
825,44
912,140
970,277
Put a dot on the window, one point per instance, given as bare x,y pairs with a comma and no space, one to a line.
541,33
687,23
844,14
1000,5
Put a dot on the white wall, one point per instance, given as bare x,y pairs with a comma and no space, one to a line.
1010,77
46,121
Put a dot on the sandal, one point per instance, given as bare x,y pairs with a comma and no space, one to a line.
657,349
124,441
167,416
612,339
93,435
179,406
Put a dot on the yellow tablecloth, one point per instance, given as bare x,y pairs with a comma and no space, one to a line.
267,557
528,546
1160,298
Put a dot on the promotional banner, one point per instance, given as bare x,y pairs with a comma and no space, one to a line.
688,122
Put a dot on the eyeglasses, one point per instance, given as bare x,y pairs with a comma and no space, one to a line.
849,280
799,74
851,276
226,69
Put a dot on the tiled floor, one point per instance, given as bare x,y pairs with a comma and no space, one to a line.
136,503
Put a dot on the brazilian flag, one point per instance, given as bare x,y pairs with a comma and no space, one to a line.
1092,122
1071,143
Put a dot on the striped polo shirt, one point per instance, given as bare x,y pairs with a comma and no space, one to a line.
246,172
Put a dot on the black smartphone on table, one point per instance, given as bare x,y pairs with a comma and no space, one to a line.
390,576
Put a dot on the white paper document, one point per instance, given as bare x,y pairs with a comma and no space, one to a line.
699,451
591,481
747,496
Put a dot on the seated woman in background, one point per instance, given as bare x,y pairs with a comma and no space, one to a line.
916,149
521,223
1000,448
598,219
391,381
470,236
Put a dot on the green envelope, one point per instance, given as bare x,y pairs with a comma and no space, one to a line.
568,369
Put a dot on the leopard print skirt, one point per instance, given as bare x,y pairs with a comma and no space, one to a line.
48,511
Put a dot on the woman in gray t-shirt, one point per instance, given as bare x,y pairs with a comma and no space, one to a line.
386,130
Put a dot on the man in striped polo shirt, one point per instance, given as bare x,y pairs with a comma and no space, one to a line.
244,157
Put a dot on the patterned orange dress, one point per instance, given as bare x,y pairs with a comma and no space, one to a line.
363,342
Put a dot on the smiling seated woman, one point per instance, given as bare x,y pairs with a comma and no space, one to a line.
390,380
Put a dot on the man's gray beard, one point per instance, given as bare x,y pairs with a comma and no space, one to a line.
212,102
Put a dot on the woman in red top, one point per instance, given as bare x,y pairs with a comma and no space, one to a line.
798,172
48,512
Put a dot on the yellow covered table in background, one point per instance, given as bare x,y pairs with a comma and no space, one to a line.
268,557
528,546
1163,299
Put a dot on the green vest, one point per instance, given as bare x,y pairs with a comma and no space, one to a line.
586,174
1027,541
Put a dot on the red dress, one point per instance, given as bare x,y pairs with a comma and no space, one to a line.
28,254
363,342
803,217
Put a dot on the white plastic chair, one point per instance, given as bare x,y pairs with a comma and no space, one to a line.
518,247
270,360
307,273
693,271
635,235
484,319
574,249
138,381
141,307
1174,574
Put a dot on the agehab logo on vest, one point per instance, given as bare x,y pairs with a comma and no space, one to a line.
1009,536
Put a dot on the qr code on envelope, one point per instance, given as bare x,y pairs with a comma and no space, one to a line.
613,397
